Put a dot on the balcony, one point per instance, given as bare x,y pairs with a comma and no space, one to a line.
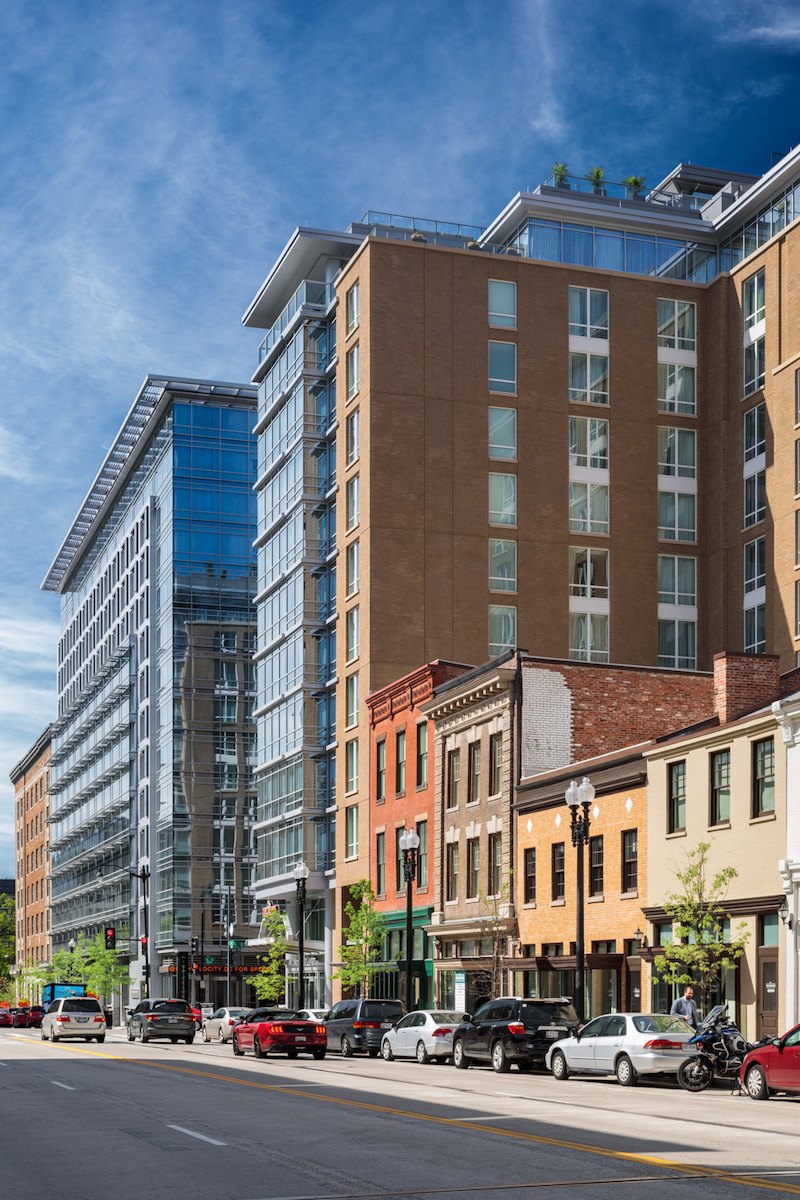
608,190
312,293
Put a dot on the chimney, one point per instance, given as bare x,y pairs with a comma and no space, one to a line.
743,682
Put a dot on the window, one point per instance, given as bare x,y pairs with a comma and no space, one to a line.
502,367
720,787
353,436
380,860
353,622
400,762
502,629
755,498
677,580
530,875
453,778
353,501
797,537
588,313
351,828
502,499
677,516
588,507
630,860
676,389
596,866
353,567
495,764
558,876
351,698
677,452
473,867
502,566
588,443
502,304
753,299
763,777
676,324
754,366
755,432
495,864
380,770
588,378
452,870
353,307
502,433
677,644
755,564
353,371
755,636
351,766
474,780
422,754
588,573
399,874
676,774
422,854
588,637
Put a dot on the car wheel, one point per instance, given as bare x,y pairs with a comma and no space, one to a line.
258,1049
347,1049
386,1050
189,1040
755,1083
237,1050
143,1038
174,1041
131,1038
374,1052
625,1073
206,1038
318,1054
52,1033
460,1059
525,1066
221,1037
101,1038
558,1065
422,1054
43,1036
500,1062
291,1053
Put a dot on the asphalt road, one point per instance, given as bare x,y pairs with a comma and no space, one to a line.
130,1122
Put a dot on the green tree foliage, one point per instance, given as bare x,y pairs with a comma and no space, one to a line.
364,932
69,966
701,946
101,970
8,936
270,981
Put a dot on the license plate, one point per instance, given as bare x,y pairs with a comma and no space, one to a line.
551,1033
386,1024
300,1037
83,1020
174,1020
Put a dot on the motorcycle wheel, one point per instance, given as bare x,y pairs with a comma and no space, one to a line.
695,1075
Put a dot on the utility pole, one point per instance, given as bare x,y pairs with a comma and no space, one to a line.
229,924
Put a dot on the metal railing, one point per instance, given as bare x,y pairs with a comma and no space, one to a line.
423,225
312,293
622,191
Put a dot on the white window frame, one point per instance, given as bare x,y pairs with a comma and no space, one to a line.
353,360
351,700
353,437
590,461
588,590
754,366
673,532
499,547
671,341
496,450
755,442
674,596
502,320
755,637
755,569
353,307
592,523
504,613
501,516
353,505
351,765
351,831
503,384
590,394
353,556
755,498
353,635
587,328
596,633
677,439
750,299
670,379
677,661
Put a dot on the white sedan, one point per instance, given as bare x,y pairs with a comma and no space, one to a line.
623,1044
311,1014
425,1036
220,1024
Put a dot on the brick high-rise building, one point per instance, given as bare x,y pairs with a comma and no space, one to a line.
572,431
31,779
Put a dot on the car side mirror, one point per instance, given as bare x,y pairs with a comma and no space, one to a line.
777,1042
466,1016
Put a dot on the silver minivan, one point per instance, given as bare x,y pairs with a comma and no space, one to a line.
74,1017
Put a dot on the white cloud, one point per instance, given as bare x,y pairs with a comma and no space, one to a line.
15,456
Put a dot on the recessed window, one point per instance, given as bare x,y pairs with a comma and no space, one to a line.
353,307
630,860
588,507
588,313
755,564
530,875
353,370
351,830
495,879
676,389
502,304
422,854
422,754
451,857
352,622
677,516
351,765
502,367
755,626
755,498
502,499
588,637
677,580
588,443
380,862
474,780
351,704
502,566
495,764
755,432
502,433
676,775
677,452
502,629
400,762
353,436
558,878
473,867
353,556
720,766
399,873
596,866
588,378
677,644
353,501
753,299
453,778
763,777
380,769
588,573
676,324
754,366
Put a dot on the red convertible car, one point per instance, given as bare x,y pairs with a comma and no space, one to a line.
774,1067
278,1031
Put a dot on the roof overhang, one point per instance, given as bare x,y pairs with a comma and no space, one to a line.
296,262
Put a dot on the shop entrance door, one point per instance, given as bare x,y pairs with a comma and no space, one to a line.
767,1020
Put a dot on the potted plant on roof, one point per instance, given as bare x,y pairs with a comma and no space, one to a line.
560,173
596,175
635,186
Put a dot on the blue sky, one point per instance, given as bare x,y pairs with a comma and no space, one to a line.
155,158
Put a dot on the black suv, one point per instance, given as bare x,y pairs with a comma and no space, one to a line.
360,1024
511,1030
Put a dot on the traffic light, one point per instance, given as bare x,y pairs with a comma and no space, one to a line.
195,945
111,938
143,940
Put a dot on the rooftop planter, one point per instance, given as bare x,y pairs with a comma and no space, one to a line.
560,174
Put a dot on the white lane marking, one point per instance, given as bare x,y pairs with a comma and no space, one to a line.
64,1085
3,1064
202,1136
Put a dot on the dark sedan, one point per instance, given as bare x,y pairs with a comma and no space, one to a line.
772,1067
278,1031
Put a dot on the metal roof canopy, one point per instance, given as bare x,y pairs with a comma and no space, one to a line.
150,401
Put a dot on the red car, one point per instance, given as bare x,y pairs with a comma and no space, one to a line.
6,1019
19,1017
773,1067
278,1031
198,1016
35,1014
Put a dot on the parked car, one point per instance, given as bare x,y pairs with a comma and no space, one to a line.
772,1067
277,1031
361,1024
311,1014
19,1018
35,1014
220,1024
623,1044
6,1019
74,1016
172,1019
513,1030
198,1016
426,1036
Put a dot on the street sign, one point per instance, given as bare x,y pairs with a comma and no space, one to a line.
209,958
236,944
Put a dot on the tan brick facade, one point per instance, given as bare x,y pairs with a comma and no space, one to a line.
31,779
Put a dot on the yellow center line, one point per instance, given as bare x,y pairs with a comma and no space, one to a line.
451,1122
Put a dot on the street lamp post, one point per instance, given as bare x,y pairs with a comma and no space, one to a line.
409,844
579,796
301,874
143,877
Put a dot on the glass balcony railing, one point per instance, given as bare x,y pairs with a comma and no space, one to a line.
422,225
623,191
312,293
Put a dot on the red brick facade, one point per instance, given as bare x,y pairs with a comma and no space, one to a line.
743,682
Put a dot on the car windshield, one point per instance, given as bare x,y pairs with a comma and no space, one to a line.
381,1012
174,1006
446,1018
656,1023
81,1006
547,1014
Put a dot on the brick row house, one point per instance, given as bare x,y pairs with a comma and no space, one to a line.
31,780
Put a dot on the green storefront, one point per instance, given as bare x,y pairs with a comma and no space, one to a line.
389,980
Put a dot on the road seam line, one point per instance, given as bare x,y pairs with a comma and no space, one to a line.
202,1136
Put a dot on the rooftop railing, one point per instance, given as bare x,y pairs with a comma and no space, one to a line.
311,293
623,191
423,225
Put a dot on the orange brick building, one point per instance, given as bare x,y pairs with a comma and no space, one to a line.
31,779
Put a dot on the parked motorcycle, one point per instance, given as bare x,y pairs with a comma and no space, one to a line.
719,1051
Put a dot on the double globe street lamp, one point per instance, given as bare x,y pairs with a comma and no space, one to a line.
579,796
409,844
301,873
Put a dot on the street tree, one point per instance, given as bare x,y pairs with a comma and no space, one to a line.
69,966
8,931
269,982
105,973
364,931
